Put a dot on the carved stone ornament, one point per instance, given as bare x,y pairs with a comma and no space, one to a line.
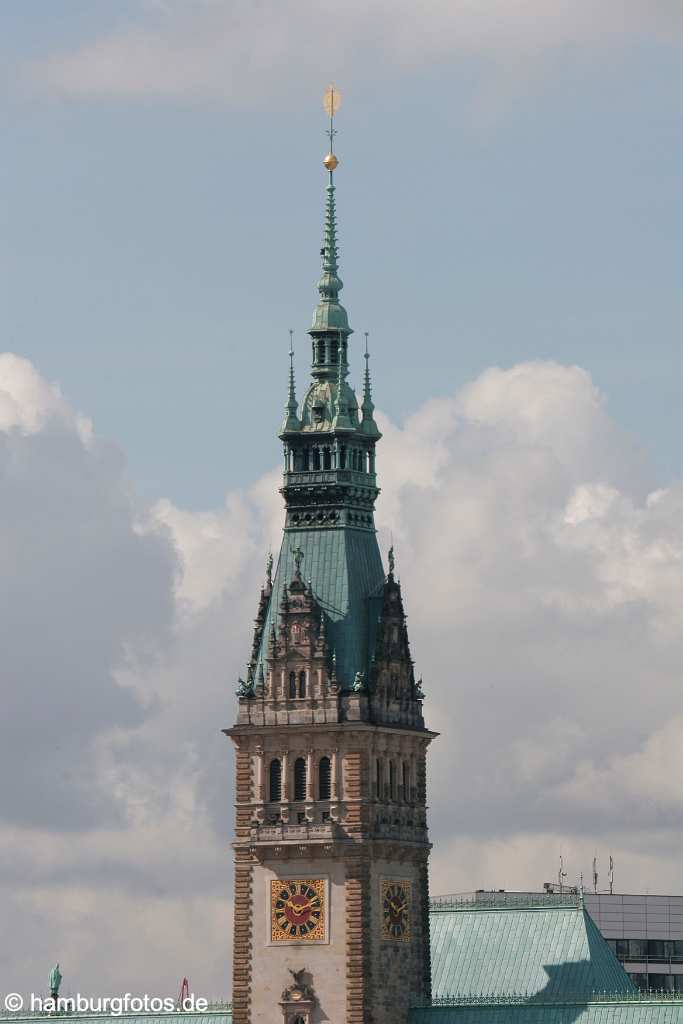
298,1000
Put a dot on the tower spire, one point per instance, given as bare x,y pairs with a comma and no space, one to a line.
368,425
291,420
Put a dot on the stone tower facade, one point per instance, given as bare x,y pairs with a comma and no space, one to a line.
331,844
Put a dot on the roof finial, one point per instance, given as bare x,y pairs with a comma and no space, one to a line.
331,103
291,421
368,407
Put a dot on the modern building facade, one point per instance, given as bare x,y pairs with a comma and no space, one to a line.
331,844
646,934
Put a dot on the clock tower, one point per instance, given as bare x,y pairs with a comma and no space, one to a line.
331,844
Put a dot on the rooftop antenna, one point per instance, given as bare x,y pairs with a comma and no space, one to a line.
184,997
595,874
561,875
610,875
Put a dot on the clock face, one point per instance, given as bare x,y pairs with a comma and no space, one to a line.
297,910
396,907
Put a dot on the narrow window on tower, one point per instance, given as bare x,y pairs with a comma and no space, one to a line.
300,779
378,779
275,786
406,782
292,685
325,779
392,781
302,684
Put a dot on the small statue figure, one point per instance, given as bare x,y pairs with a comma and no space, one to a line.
269,570
246,688
392,562
359,684
55,981
419,692
298,559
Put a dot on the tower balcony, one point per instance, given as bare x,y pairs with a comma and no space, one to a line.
316,832
330,477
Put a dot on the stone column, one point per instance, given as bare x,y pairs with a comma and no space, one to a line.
284,761
260,776
309,777
334,781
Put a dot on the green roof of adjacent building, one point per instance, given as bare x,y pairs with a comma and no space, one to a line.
643,1008
547,948
217,1013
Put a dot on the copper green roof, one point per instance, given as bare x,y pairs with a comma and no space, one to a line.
217,1013
345,569
539,947
638,1008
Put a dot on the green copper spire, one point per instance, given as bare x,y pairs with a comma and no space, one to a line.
291,420
329,482
368,425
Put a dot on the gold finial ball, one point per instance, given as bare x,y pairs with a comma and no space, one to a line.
331,162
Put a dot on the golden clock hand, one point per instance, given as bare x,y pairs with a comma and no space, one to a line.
299,908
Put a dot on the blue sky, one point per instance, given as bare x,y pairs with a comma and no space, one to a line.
155,249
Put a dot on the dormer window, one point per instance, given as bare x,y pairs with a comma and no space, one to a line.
318,410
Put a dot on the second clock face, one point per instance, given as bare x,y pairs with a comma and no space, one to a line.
396,900
297,910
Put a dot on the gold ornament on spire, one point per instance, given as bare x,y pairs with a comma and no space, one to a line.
331,103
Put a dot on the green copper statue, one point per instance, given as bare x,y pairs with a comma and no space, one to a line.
298,559
359,684
55,981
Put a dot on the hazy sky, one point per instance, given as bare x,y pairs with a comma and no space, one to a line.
510,226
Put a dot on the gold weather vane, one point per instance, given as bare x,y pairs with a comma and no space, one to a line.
331,103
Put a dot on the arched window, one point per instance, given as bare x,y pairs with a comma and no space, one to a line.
342,457
327,458
300,779
292,685
406,781
392,780
275,787
325,779
302,684
378,778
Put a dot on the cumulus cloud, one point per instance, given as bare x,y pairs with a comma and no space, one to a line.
541,567
241,53
542,570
